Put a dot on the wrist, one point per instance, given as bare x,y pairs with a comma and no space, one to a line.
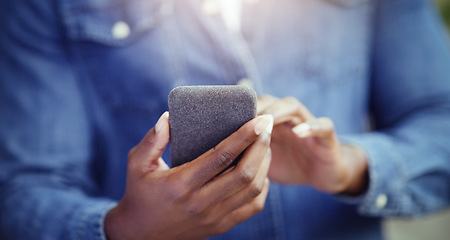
114,229
357,179
109,224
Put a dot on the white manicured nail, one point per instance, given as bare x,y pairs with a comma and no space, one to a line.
302,130
159,125
265,123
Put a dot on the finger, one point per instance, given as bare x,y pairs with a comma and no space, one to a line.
265,101
288,109
245,212
251,191
200,171
321,128
245,181
146,155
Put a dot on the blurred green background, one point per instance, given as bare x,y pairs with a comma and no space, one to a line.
444,6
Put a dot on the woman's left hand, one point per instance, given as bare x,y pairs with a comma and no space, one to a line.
306,150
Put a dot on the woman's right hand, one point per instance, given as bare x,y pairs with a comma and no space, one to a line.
198,199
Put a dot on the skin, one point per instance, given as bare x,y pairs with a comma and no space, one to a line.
198,199
203,198
306,150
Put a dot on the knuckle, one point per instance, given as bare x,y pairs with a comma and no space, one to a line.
131,153
255,189
223,159
197,211
246,176
291,100
294,102
210,221
223,226
327,122
160,148
258,206
267,98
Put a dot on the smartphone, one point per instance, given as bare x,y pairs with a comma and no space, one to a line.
201,117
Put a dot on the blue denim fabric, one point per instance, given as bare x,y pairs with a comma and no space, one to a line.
74,100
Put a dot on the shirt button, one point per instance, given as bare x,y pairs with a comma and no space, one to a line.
245,82
381,201
120,30
211,7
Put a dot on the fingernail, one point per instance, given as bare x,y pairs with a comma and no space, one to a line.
265,123
161,121
302,130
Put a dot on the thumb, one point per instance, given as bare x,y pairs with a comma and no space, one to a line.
146,156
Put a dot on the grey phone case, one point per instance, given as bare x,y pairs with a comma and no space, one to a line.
201,117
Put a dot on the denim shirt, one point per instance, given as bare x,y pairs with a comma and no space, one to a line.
82,81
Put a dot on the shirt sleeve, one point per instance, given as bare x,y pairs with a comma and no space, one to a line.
409,151
46,187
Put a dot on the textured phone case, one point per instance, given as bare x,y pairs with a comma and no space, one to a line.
201,117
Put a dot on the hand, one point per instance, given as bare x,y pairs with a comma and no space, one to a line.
306,150
197,199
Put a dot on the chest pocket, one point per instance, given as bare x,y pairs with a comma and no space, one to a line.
113,23
125,49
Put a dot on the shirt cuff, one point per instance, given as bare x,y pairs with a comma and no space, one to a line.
386,194
91,224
